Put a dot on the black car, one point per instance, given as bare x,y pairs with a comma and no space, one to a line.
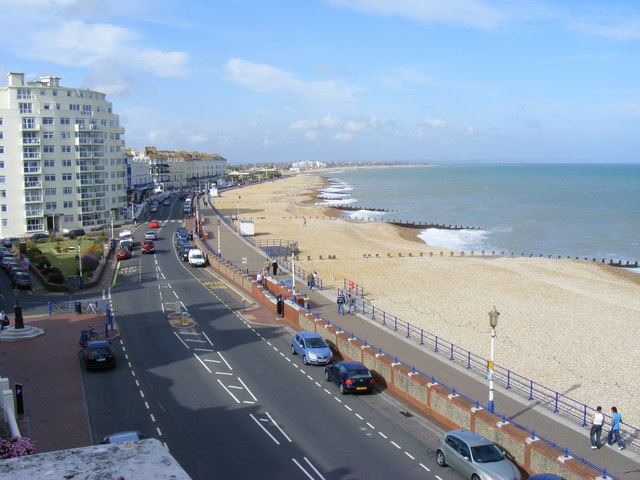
13,270
98,354
40,236
349,376
21,280
185,252
7,242
128,244
76,232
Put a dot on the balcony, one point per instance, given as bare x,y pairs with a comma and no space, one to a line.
33,199
37,184
33,212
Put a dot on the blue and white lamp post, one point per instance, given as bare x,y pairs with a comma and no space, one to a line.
493,323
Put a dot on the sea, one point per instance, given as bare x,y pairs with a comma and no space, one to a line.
567,210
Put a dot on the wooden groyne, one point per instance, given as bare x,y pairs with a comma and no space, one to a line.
348,208
423,226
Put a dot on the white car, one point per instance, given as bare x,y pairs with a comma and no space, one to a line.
150,235
196,258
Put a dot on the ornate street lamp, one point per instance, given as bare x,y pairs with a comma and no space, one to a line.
493,323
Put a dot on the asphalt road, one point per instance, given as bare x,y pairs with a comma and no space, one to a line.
228,398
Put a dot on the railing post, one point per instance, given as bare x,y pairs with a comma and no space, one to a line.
49,307
468,360
555,407
530,389
436,345
584,416
421,337
451,354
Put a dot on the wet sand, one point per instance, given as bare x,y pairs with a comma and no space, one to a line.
570,325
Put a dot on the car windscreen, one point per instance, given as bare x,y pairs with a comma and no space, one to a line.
356,374
487,453
315,343
95,352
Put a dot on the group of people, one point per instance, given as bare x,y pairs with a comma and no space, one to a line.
4,320
312,280
349,301
597,422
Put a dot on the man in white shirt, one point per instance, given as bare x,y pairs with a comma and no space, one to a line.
596,428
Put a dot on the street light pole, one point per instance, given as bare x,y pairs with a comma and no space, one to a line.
493,323
293,275
219,238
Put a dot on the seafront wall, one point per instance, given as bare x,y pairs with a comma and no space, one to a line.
420,391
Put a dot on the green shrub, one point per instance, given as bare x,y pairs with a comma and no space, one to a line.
44,263
90,262
57,278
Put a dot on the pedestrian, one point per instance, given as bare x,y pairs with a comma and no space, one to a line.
310,281
304,221
4,320
614,433
274,267
259,278
351,303
596,428
340,301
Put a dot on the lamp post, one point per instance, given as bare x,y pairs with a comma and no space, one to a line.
53,221
80,260
493,323
219,255
17,312
293,275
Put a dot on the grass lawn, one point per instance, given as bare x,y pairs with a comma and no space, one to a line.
66,261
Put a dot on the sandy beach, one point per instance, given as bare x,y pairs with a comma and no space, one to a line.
570,325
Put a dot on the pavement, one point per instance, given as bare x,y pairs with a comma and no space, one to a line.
52,382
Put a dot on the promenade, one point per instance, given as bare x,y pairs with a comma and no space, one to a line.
565,432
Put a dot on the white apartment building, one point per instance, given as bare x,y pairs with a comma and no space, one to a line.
62,161
176,169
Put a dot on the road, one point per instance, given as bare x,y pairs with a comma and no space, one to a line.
227,397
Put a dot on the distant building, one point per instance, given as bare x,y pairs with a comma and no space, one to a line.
62,164
306,165
175,169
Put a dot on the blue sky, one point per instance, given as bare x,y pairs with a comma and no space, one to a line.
287,80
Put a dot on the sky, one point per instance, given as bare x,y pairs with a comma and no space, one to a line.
348,80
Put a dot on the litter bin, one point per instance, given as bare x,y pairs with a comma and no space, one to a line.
279,306
78,307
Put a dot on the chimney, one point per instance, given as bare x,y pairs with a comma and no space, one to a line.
51,81
16,79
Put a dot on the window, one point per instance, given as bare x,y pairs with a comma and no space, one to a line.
64,135
24,94
47,120
69,218
26,108
55,93
67,190
67,204
67,177
50,206
3,179
34,224
74,106
50,177
1,135
66,163
1,163
1,149
48,149
65,149
65,121
31,152
50,192
4,207
49,135
50,163
86,109
43,92
3,194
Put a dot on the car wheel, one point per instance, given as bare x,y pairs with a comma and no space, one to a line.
475,477
293,350
440,459
304,360
342,389
326,375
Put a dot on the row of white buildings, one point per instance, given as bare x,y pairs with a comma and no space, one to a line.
64,164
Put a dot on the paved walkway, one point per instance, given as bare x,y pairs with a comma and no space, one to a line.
563,431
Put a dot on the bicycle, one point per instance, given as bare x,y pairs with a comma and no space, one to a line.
94,308
87,336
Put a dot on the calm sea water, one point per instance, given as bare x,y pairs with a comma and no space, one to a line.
568,210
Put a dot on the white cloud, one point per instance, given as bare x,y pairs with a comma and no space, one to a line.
367,123
268,79
343,137
438,127
326,122
619,29
472,13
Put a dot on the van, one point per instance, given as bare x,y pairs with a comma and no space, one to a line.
196,258
125,235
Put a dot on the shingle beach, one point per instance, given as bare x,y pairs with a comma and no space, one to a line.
570,325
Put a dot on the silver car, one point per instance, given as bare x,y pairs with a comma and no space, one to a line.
474,456
311,347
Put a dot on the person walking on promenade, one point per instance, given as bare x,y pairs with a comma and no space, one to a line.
351,303
596,428
259,278
340,301
274,266
311,281
614,433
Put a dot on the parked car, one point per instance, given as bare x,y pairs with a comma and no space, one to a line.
154,224
39,236
474,457
349,376
76,232
128,244
8,241
122,437
311,347
21,280
98,354
181,230
123,253
13,270
185,251
150,235
196,258
148,246
8,261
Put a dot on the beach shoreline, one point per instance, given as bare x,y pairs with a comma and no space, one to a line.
552,310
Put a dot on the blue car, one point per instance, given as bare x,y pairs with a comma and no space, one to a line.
350,377
311,347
